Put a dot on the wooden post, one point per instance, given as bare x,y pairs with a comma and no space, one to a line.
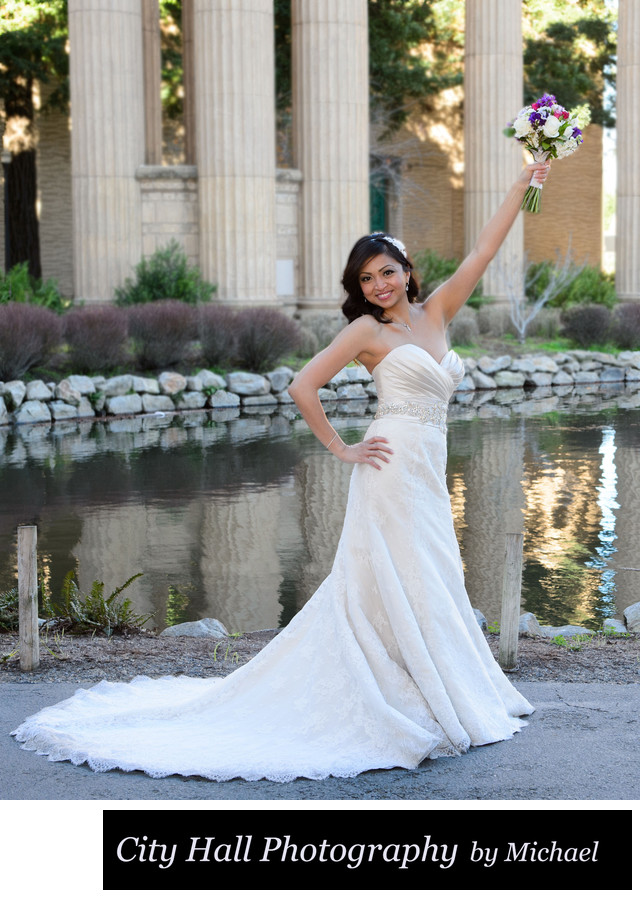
28,598
511,588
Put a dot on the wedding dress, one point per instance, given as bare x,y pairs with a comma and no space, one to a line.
383,667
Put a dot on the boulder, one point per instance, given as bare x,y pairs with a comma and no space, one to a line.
491,366
632,617
118,386
568,630
208,378
191,399
339,379
131,404
528,625
280,378
351,391
223,399
61,410
171,382
154,403
562,379
4,413
208,626
81,383
67,394
539,379
612,374
612,625
482,621
482,381
544,363
38,389
245,384
509,378
325,394
145,385
14,392
31,412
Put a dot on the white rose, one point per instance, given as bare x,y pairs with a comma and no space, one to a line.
568,132
551,126
522,127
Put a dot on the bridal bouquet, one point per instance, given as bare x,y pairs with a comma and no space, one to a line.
547,129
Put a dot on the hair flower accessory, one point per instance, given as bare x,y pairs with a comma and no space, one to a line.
547,130
393,240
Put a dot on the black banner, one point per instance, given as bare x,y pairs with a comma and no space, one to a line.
343,849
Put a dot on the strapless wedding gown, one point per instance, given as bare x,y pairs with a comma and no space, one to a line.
383,667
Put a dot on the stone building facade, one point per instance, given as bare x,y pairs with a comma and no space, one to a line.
275,236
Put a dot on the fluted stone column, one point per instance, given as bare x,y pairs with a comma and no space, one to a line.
331,139
152,60
492,97
235,146
107,143
628,163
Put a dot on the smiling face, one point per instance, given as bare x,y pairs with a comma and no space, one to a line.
383,281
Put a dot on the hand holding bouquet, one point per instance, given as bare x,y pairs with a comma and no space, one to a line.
547,130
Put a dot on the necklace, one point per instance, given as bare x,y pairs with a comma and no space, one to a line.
402,324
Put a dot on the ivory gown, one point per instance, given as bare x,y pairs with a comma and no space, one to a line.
384,666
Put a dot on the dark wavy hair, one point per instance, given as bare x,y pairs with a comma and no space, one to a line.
366,248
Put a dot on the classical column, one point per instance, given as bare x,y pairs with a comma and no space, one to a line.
235,146
331,139
628,164
107,143
492,97
152,80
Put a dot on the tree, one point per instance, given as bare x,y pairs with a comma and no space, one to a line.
33,38
570,51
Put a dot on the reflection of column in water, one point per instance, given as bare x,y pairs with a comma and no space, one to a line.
324,484
239,559
493,507
119,541
627,463
606,489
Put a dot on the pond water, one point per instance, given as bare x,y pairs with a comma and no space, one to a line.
238,518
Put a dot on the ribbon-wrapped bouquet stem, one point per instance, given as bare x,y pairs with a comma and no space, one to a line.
547,130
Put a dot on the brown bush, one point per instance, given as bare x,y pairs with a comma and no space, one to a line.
587,325
264,337
162,332
625,327
96,338
28,336
218,335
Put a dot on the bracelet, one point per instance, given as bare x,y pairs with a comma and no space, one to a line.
331,440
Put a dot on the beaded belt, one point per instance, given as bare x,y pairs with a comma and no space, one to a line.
434,412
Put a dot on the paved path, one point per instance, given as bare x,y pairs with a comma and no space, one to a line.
582,743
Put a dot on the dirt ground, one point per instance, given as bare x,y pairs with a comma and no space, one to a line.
90,658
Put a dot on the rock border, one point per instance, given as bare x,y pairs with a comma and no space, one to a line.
79,396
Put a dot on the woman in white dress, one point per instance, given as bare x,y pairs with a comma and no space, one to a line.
385,665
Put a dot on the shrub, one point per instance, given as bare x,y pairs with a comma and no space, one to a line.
587,324
464,330
28,336
95,611
264,337
217,330
625,326
591,287
165,275
433,270
96,338
17,285
9,610
324,327
162,332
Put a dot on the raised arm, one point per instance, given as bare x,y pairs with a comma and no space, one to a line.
347,346
452,295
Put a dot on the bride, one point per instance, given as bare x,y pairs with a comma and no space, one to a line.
385,665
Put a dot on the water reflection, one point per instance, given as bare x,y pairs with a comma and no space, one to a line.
239,518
